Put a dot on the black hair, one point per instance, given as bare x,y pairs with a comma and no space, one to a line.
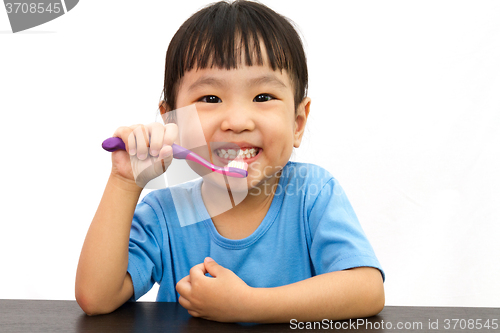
209,38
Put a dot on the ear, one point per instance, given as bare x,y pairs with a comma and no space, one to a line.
163,110
163,107
301,120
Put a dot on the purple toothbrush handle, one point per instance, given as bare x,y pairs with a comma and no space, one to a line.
179,152
114,144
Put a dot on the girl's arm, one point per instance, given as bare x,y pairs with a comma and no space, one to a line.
102,282
354,293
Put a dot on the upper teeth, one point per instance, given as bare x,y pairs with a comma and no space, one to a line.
233,153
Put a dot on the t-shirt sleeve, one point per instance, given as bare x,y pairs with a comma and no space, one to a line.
145,244
337,240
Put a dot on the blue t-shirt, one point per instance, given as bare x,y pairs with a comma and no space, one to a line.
310,229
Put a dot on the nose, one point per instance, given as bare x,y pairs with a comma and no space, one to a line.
238,118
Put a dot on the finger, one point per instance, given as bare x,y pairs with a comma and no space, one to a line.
142,140
123,133
166,153
194,313
161,164
183,287
187,278
185,303
213,267
157,131
197,271
130,141
169,137
171,134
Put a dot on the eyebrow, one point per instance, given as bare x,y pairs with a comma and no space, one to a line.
221,83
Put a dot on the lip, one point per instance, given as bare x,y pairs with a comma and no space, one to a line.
231,145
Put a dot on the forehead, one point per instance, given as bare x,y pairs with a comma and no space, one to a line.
241,77
244,57
248,70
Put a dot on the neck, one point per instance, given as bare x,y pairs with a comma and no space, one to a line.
222,202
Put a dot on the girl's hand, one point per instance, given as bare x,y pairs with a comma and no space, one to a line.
149,152
223,297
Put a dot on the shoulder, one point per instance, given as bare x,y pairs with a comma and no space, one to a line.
306,171
308,179
314,188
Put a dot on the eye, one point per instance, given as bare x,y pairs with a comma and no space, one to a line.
263,98
210,99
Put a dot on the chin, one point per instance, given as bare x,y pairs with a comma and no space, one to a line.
221,184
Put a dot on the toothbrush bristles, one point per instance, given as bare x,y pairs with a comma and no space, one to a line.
238,164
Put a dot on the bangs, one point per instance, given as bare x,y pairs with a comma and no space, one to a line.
228,35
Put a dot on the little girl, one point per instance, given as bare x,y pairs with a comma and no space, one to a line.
290,248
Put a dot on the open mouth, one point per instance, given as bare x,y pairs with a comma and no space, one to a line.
245,154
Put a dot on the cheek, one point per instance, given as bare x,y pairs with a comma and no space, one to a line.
280,131
191,133
208,132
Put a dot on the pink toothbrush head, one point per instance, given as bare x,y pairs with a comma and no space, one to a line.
237,169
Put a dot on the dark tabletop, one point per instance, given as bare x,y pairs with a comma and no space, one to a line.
66,316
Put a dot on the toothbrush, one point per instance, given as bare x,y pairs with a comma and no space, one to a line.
237,169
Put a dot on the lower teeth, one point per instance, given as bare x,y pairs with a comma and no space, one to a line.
241,155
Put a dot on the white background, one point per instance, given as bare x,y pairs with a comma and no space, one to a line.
405,114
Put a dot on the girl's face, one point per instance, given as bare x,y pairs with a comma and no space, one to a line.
251,107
